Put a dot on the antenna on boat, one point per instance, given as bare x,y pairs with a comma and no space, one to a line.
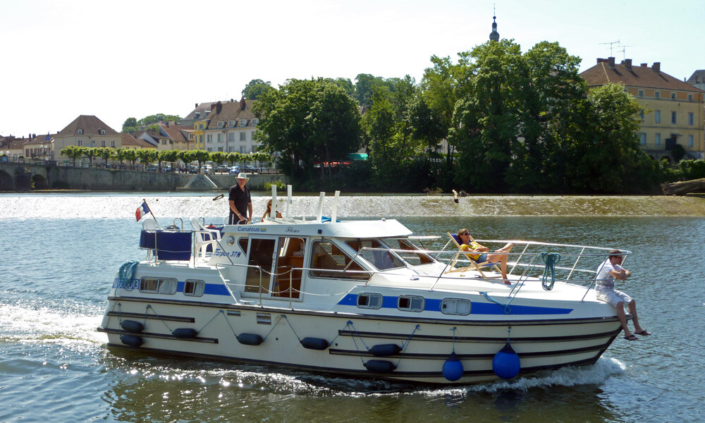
334,216
274,202
288,202
319,218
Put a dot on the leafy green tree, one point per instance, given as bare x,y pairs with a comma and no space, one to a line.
218,157
130,155
72,152
130,125
233,157
678,152
120,154
167,156
201,156
157,118
105,153
365,84
90,152
604,153
255,89
307,121
345,84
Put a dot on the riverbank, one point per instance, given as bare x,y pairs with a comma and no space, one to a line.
177,205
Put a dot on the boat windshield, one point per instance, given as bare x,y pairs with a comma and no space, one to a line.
410,253
372,251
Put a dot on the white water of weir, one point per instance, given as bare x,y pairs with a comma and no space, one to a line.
124,206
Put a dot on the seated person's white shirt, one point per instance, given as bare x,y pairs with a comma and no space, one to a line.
604,279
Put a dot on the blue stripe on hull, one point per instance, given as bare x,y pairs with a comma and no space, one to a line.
477,308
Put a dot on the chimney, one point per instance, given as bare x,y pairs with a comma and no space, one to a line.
628,64
644,65
196,106
243,104
610,61
657,67
601,60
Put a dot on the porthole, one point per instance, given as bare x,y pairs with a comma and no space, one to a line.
456,306
230,240
372,301
410,303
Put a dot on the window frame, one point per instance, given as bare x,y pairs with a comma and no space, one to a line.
411,299
457,300
370,295
199,287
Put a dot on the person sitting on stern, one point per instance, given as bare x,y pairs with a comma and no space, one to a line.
482,253
608,271
268,212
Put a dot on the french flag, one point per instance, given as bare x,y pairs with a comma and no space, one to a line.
141,211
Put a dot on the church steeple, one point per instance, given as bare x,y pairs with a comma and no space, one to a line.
494,35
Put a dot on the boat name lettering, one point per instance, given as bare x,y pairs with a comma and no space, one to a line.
292,230
243,228
128,285
221,253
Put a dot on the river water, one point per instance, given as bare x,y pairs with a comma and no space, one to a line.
59,254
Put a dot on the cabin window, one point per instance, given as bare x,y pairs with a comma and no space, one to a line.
456,306
290,262
410,303
334,263
372,301
194,288
152,285
260,261
373,251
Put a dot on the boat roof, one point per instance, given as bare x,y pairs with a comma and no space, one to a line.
385,228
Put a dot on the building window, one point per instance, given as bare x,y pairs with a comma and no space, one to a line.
220,124
220,149
657,116
231,136
243,136
112,144
674,120
92,143
641,93
642,139
79,143
242,149
641,115
232,123
243,122
102,132
673,96
200,139
102,143
657,139
220,137
254,122
231,149
657,94
79,132
690,97
690,119
210,149
690,141
198,114
210,138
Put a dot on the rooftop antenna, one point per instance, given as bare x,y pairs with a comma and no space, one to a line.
611,44
624,52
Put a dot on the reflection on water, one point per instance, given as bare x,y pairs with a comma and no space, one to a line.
54,365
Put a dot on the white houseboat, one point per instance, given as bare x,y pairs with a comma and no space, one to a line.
357,298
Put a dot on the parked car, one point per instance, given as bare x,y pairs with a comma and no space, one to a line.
222,169
193,169
207,169
151,168
249,169
167,168
234,170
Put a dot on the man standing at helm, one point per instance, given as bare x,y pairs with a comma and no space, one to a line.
240,202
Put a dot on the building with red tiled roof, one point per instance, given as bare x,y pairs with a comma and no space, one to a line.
128,141
85,131
231,127
697,79
676,107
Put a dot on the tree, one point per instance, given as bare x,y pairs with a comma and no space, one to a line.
159,117
218,157
233,157
345,84
307,121
131,156
201,156
120,154
90,152
255,89
167,156
72,152
130,125
105,153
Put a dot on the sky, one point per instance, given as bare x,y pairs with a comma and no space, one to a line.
120,59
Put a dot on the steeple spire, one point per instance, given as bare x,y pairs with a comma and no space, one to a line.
494,35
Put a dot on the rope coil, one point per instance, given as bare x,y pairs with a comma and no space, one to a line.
550,260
